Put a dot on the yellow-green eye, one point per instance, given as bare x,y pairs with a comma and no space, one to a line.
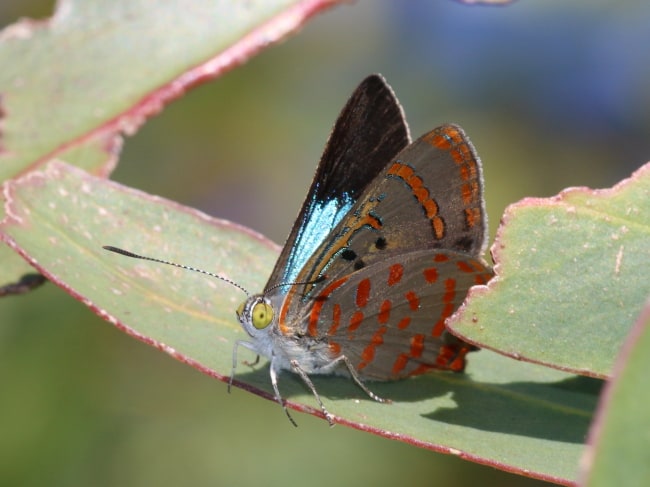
262,315
240,309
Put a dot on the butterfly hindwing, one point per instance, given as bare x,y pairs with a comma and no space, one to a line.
389,318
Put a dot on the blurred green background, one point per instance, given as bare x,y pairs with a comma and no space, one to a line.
553,94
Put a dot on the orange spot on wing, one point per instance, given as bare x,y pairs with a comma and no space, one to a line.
420,192
401,170
336,319
355,321
415,182
438,141
430,275
482,278
466,193
452,357
472,217
457,155
446,355
438,227
447,310
440,258
431,208
464,267
400,363
478,267
377,338
363,292
395,274
368,354
384,311
450,290
466,172
319,301
467,152
404,323
439,327
481,275
458,364
417,346
444,138
413,299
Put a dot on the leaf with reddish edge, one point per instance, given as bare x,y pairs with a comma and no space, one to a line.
571,275
107,66
526,419
617,450
98,155
71,84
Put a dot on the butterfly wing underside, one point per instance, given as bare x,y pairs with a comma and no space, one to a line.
426,203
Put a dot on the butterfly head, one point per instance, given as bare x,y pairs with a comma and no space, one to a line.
256,314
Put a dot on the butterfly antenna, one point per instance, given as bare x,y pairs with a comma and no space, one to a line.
181,266
320,278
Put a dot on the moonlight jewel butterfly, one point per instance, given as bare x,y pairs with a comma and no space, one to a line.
383,251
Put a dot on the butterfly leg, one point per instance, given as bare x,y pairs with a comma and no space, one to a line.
355,376
239,343
305,378
278,397
272,371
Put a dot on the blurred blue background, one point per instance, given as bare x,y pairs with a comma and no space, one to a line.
553,94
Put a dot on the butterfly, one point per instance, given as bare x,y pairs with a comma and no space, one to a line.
383,251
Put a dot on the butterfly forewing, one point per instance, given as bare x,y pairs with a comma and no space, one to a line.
349,163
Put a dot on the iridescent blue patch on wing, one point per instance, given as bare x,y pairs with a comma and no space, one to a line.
322,217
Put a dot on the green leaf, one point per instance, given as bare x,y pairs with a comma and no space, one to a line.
618,452
96,69
112,64
571,277
515,416
98,155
